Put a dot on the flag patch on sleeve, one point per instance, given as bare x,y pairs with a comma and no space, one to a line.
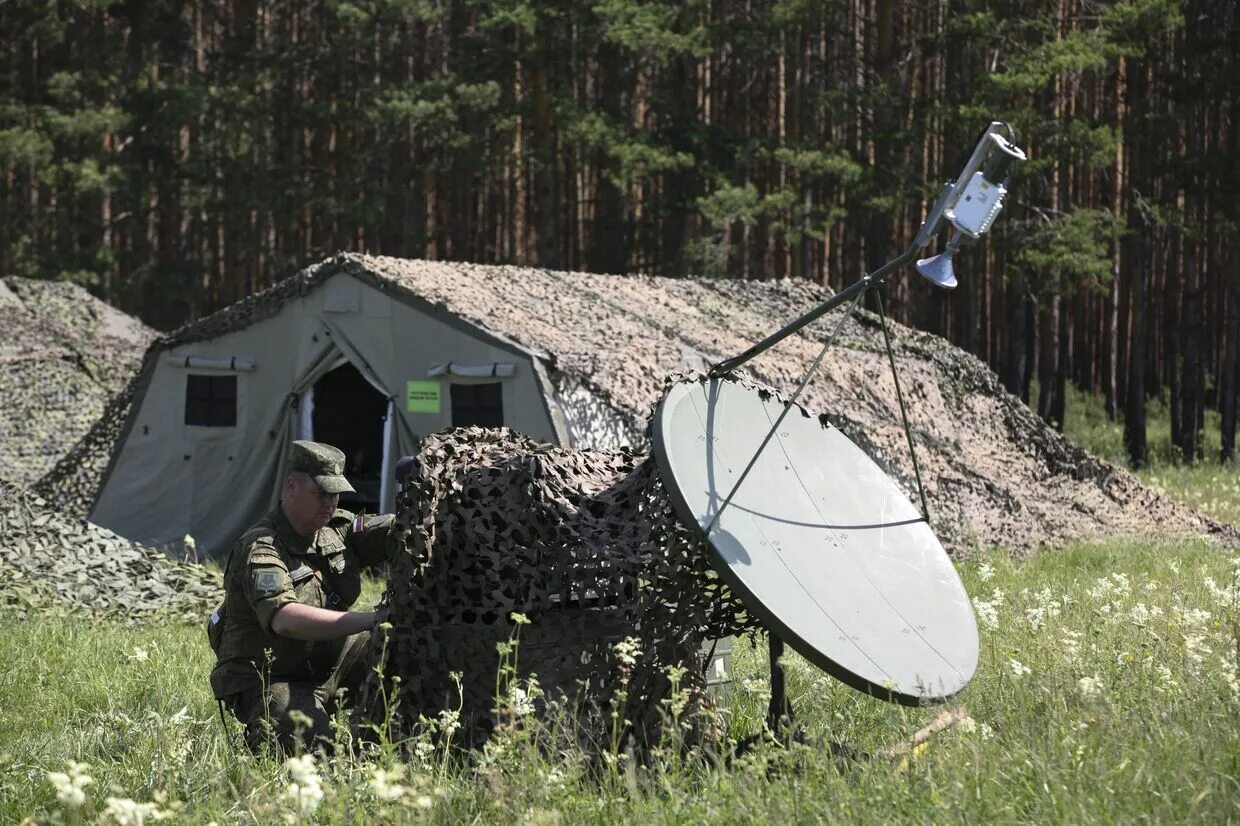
357,525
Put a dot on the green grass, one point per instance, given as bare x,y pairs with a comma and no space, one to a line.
1153,628
1211,488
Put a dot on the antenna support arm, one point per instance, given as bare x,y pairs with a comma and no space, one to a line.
860,285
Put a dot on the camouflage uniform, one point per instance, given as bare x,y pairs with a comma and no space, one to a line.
271,566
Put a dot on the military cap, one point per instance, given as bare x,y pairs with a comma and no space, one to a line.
324,463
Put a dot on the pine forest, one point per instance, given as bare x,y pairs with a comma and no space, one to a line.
175,156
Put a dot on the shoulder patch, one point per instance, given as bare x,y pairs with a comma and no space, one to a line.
266,583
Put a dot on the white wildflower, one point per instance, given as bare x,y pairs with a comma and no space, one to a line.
423,801
71,785
140,654
1195,650
305,792
1018,668
987,613
384,783
126,812
1101,590
1035,617
1089,687
1195,617
1115,585
988,610
1070,642
1230,675
449,721
756,686
522,704
627,650
1226,597
423,750
985,572
970,726
1165,677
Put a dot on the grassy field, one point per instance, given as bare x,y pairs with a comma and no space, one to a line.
1108,691
1211,488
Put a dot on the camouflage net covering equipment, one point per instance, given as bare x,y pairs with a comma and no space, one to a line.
63,355
50,563
585,545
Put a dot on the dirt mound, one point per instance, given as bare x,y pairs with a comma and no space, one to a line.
63,355
50,563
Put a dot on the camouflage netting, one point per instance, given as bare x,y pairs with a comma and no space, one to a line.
995,474
63,355
584,544
65,361
53,564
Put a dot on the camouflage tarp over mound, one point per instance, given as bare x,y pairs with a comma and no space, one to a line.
63,355
50,563
584,544
995,474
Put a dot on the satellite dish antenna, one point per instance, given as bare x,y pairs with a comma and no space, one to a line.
820,544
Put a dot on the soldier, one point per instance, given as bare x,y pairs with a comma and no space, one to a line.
284,638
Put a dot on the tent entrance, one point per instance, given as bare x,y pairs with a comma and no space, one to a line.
348,412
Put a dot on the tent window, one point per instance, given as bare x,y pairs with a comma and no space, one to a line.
477,404
211,401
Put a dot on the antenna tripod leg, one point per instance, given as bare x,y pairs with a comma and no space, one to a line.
779,712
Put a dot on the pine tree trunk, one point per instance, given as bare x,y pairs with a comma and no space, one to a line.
1062,359
1231,365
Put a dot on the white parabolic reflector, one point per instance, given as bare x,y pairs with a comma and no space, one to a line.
820,544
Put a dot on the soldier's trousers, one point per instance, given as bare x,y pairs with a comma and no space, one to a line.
270,713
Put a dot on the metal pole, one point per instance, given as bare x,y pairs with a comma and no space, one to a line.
728,365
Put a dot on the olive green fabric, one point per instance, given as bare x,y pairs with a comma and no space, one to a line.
268,711
271,566
323,463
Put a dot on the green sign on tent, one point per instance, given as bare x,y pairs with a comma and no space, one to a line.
422,396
